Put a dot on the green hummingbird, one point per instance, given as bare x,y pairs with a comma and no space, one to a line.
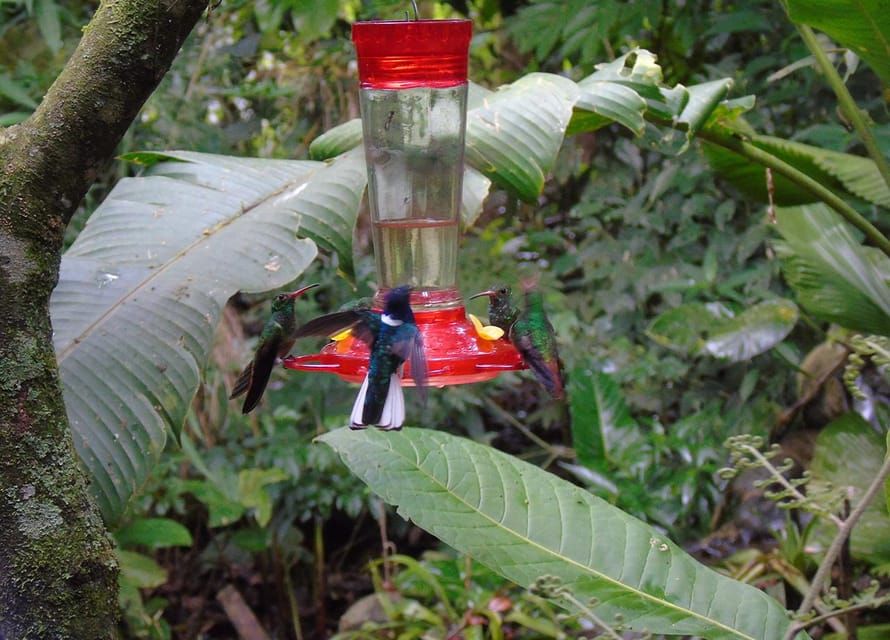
530,331
393,338
502,311
276,340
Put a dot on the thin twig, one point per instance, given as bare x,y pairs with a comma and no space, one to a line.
831,554
780,478
871,604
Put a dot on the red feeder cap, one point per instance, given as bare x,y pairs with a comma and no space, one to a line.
455,354
401,54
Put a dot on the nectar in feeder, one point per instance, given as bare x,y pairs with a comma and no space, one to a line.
413,97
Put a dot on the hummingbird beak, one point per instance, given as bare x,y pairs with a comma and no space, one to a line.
296,294
488,293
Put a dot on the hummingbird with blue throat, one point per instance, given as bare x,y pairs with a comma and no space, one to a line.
530,331
275,342
393,339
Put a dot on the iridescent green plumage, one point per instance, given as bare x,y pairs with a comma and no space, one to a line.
393,338
534,337
530,332
275,342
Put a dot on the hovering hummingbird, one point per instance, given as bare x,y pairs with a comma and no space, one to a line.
393,338
530,332
276,340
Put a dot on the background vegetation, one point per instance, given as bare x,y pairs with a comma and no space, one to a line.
248,515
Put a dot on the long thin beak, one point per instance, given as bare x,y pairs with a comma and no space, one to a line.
488,293
296,294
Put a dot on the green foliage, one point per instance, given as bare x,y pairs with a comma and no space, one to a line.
852,437
862,28
835,277
525,523
646,263
714,329
140,571
438,594
235,228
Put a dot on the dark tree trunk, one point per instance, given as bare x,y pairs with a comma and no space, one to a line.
58,575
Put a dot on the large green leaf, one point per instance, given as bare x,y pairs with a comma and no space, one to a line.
515,135
713,329
835,277
755,330
525,523
862,26
142,287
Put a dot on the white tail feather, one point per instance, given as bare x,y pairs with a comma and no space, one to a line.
393,416
355,419
394,410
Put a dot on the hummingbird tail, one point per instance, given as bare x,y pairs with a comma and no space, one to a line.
392,414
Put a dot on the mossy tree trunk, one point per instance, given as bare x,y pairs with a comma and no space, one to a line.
58,576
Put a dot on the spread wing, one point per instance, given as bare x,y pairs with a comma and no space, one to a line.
408,345
364,324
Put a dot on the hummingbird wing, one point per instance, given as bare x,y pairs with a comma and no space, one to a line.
364,324
408,345
538,350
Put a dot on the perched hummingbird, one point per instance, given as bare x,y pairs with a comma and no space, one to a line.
502,312
393,338
276,340
530,332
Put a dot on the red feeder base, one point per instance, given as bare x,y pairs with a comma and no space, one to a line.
455,353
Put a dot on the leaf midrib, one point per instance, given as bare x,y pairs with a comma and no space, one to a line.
153,274
547,551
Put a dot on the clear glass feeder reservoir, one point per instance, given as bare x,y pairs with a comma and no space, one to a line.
413,96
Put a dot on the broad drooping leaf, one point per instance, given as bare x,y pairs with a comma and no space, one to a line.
835,277
525,523
629,91
515,135
141,290
713,329
847,438
861,26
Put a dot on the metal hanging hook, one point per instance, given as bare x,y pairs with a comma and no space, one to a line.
414,4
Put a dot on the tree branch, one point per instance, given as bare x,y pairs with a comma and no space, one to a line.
58,574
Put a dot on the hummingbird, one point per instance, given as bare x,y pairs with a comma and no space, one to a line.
502,311
393,338
276,340
530,331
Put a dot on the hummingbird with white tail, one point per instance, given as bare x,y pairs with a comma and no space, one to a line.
393,338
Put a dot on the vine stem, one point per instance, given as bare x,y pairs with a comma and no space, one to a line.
782,480
848,106
736,143
834,549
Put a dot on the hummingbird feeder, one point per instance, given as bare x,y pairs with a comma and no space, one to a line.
413,97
